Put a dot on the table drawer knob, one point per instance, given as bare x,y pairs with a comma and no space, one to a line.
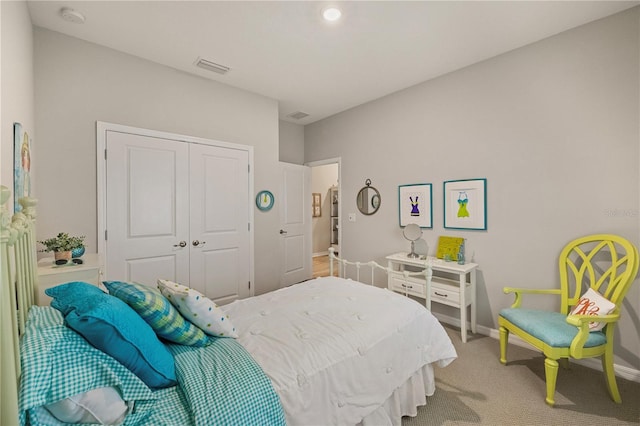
441,295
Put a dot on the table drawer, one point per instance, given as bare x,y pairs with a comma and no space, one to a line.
412,286
447,294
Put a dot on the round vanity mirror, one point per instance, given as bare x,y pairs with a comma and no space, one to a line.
412,232
368,199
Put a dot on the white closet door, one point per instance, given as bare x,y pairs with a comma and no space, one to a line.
220,236
147,208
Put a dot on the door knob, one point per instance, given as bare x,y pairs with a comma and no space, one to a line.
196,243
181,244
282,231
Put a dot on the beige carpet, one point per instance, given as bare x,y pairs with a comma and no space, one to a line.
477,389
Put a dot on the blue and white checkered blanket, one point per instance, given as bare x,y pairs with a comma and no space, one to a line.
223,385
219,384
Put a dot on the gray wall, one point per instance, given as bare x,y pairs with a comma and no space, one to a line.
291,142
78,83
17,100
552,126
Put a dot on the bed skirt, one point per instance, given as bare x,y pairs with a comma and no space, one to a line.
405,400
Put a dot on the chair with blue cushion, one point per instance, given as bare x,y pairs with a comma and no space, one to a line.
607,264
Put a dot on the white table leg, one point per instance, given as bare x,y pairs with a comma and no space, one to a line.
463,307
474,306
427,290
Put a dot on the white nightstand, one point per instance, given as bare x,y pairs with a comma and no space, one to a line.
50,275
456,292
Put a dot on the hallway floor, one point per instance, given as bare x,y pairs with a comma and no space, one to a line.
321,267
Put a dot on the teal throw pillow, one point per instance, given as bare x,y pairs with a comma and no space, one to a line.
112,326
158,312
67,297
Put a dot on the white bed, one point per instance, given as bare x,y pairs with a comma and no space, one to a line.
335,351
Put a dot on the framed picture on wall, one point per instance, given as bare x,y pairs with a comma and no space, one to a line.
415,205
21,166
316,204
465,204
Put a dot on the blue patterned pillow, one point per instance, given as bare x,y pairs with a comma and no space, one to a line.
112,326
158,312
51,350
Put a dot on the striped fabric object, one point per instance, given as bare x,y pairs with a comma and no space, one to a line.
225,386
58,363
158,312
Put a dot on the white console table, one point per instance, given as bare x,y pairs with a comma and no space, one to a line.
458,293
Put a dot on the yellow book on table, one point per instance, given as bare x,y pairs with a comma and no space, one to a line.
448,247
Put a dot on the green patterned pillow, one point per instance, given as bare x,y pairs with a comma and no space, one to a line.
156,310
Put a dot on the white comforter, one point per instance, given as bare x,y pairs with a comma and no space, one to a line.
336,349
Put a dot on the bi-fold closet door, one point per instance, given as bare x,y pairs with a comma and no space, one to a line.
180,211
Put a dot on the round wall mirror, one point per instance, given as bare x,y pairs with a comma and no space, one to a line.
368,199
412,232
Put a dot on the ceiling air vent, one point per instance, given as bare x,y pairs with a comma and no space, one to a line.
298,115
211,66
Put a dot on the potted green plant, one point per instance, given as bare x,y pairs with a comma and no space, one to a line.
62,245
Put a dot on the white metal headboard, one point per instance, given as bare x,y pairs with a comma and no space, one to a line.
18,269
426,273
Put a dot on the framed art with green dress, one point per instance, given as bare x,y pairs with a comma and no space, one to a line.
465,204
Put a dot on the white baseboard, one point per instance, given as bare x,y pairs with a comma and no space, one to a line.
322,253
594,363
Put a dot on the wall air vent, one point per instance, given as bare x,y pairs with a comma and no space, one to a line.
211,66
298,115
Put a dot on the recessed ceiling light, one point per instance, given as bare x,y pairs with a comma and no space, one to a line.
331,14
71,15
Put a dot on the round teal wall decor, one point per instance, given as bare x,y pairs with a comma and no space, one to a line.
264,200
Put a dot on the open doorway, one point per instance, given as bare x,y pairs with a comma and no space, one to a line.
325,224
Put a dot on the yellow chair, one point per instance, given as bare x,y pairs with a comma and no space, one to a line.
606,263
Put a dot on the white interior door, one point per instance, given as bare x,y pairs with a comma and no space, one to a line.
220,235
295,223
147,208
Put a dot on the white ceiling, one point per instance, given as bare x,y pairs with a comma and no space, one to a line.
284,50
